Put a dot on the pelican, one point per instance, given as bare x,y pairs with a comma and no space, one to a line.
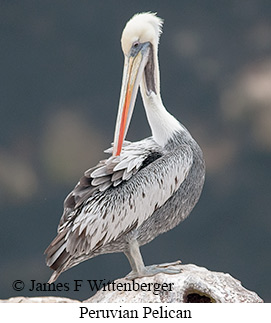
144,188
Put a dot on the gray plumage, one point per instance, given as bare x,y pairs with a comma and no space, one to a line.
144,188
96,221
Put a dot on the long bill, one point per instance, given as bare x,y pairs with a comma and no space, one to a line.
132,74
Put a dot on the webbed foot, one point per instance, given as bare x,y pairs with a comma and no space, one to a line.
152,270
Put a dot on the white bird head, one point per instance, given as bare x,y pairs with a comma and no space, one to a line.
141,28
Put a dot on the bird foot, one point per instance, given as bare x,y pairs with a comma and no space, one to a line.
155,269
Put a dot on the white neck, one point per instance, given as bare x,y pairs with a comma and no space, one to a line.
163,124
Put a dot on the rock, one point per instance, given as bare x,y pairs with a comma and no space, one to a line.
43,299
192,285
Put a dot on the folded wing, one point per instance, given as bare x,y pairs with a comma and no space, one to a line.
117,195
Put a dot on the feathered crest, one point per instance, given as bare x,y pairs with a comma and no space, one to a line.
151,17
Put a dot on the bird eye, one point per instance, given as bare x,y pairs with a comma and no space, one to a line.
135,44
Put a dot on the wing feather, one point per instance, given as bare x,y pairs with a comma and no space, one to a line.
122,193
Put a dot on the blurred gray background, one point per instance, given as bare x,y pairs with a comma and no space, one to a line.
60,75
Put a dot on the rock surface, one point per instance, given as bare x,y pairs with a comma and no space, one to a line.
193,285
44,299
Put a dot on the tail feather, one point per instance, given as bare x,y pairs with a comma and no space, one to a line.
60,257
53,259
59,266
54,245
57,256
54,277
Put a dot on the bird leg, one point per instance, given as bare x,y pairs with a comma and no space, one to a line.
140,270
